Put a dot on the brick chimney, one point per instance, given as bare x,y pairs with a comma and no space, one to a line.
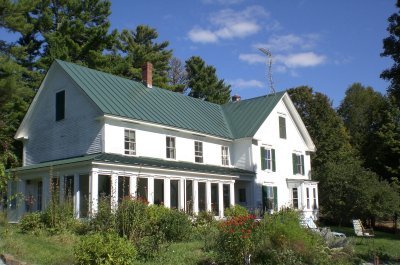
147,74
236,98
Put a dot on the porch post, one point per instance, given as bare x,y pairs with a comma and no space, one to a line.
114,191
181,194
232,193
133,186
208,196
167,192
220,199
195,196
94,191
61,187
150,190
76,195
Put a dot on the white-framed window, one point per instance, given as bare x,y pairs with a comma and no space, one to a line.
295,198
315,206
268,159
130,142
298,164
170,147
308,197
225,155
198,152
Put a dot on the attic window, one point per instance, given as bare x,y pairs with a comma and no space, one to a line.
282,127
60,105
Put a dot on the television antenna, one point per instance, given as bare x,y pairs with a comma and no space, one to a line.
269,73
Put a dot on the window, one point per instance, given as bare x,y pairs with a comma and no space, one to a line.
295,198
282,127
298,164
308,197
225,155
315,198
268,159
242,195
130,142
171,147
198,152
60,105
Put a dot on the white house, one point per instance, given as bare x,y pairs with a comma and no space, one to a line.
98,134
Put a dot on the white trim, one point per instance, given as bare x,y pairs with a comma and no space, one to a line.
163,169
130,120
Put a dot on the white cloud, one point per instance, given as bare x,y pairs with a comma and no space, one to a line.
289,42
297,60
202,35
252,58
241,83
229,24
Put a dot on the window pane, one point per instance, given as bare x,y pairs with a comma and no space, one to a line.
282,127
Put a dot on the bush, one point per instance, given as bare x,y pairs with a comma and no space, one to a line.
235,241
204,218
104,220
59,217
31,223
106,248
235,211
175,226
131,219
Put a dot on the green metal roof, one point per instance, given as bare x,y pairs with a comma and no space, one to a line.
145,162
131,99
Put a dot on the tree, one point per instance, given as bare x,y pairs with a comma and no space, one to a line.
361,111
177,75
324,125
204,83
138,47
391,46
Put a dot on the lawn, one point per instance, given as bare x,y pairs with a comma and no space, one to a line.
385,245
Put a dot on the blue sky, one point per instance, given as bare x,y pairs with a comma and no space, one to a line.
327,45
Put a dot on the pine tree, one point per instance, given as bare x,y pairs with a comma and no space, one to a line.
204,83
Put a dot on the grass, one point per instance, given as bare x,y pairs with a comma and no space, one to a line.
384,245
37,249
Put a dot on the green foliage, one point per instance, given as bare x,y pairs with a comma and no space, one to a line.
391,47
204,83
204,218
235,240
235,211
105,219
106,248
131,219
31,223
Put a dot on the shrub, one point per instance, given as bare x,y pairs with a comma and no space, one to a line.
106,248
132,219
30,223
235,241
204,218
175,226
235,211
104,220
59,216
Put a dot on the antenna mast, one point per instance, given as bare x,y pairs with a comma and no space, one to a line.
269,73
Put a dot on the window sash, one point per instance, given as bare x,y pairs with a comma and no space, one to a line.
224,155
308,197
170,147
282,127
295,198
315,198
268,159
130,142
198,152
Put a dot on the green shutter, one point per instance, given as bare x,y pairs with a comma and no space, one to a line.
294,164
273,160
262,158
275,198
302,162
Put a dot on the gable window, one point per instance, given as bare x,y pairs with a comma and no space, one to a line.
130,142
268,159
298,164
171,150
198,152
225,155
282,127
295,198
60,105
